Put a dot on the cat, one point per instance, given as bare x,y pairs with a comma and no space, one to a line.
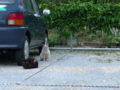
45,53
29,63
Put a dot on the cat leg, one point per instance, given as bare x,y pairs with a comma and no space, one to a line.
41,57
47,58
44,58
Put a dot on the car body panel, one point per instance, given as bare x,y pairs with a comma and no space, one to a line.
12,37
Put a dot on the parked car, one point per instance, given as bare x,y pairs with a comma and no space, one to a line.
22,27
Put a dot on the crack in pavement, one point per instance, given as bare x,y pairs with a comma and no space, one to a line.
46,67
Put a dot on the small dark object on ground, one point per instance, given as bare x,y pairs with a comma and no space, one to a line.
29,63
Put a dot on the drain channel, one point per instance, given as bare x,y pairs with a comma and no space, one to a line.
86,86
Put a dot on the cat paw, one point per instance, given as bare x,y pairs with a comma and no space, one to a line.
41,59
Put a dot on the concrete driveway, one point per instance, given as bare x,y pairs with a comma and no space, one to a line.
66,70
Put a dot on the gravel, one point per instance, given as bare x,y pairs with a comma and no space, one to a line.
77,70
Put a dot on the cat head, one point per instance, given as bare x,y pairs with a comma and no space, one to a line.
29,63
25,63
45,47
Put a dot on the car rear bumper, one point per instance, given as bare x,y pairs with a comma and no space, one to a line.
11,37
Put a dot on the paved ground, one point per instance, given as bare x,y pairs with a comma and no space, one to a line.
66,70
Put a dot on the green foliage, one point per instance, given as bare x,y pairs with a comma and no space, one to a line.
53,37
73,17
66,1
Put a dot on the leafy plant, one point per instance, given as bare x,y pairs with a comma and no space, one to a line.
53,37
72,17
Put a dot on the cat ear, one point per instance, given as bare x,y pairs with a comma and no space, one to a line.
35,61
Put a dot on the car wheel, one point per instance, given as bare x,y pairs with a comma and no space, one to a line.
22,53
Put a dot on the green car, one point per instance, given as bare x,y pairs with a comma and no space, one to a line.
22,27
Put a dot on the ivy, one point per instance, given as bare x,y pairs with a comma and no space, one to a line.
75,17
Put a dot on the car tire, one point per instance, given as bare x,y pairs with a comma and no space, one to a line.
22,53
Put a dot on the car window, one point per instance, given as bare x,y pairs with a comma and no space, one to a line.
7,1
28,6
35,6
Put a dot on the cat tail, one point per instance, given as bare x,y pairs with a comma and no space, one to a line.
46,41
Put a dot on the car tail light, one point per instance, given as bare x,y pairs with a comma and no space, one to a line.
16,19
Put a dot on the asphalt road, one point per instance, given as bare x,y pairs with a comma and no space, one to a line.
66,70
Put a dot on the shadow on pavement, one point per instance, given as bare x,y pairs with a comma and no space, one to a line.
8,59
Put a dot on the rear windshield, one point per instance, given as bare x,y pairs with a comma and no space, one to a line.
7,1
